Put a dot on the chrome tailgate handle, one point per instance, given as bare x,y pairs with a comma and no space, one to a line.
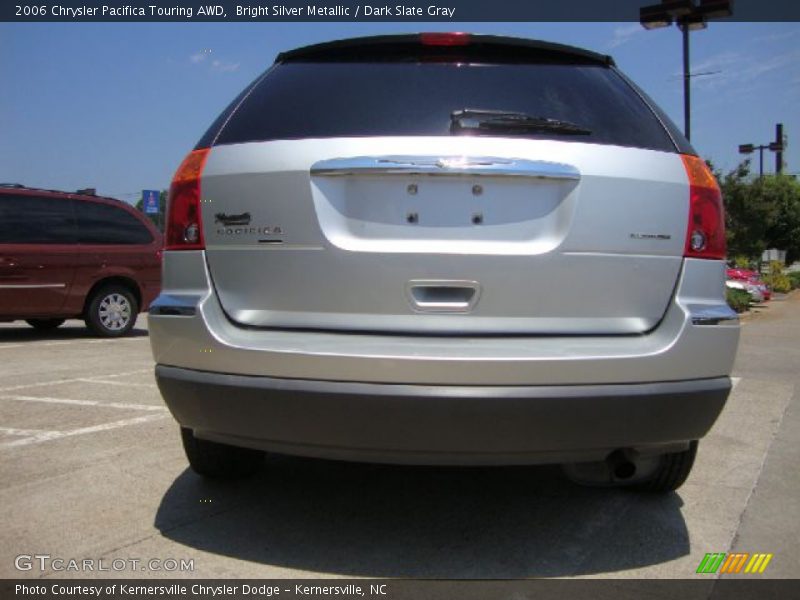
482,166
443,296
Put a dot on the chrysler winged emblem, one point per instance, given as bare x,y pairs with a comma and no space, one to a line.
231,220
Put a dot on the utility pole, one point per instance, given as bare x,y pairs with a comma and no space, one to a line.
779,148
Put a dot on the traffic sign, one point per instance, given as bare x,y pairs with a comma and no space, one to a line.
151,200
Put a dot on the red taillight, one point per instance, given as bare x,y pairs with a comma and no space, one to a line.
444,39
705,234
184,221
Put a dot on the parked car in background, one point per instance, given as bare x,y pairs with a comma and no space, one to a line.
766,293
754,281
738,273
445,249
756,295
65,255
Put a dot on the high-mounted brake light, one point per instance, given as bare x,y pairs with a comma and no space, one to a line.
184,220
444,39
705,233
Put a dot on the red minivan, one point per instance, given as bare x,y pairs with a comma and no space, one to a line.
66,255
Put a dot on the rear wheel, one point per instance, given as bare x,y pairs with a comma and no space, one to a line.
45,324
671,472
112,311
219,461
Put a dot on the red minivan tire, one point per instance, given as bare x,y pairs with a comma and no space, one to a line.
111,311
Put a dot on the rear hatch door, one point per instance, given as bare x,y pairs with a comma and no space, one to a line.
345,195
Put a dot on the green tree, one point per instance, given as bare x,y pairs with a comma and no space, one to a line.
760,213
159,219
747,216
783,232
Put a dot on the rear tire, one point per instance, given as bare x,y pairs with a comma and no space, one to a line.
45,324
671,472
112,311
220,461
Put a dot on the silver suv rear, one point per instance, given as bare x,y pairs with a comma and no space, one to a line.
445,249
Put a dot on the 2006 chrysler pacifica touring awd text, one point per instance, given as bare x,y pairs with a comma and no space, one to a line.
445,249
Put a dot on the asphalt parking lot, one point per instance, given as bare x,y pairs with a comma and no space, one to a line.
91,467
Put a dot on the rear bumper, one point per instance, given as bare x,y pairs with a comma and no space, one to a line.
441,424
696,339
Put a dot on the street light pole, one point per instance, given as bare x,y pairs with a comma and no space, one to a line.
776,147
687,78
688,16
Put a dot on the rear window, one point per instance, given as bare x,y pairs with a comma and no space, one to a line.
353,99
105,224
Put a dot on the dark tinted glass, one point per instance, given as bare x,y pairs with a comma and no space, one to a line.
329,99
105,224
683,145
34,220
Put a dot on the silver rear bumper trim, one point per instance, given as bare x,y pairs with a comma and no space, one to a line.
703,314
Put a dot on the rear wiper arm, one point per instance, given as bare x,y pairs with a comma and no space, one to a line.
471,119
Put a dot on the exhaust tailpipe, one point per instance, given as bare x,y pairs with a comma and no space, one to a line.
621,464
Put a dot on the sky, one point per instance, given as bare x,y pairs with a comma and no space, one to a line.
116,106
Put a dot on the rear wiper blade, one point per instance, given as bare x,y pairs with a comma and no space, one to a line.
471,119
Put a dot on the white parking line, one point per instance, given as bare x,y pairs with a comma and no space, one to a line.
46,436
22,432
124,373
36,344
25,386
69,401
117,340
122,383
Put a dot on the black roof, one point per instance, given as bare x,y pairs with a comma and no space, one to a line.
411,45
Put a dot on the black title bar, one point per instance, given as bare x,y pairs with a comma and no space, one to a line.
360,11
698,588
